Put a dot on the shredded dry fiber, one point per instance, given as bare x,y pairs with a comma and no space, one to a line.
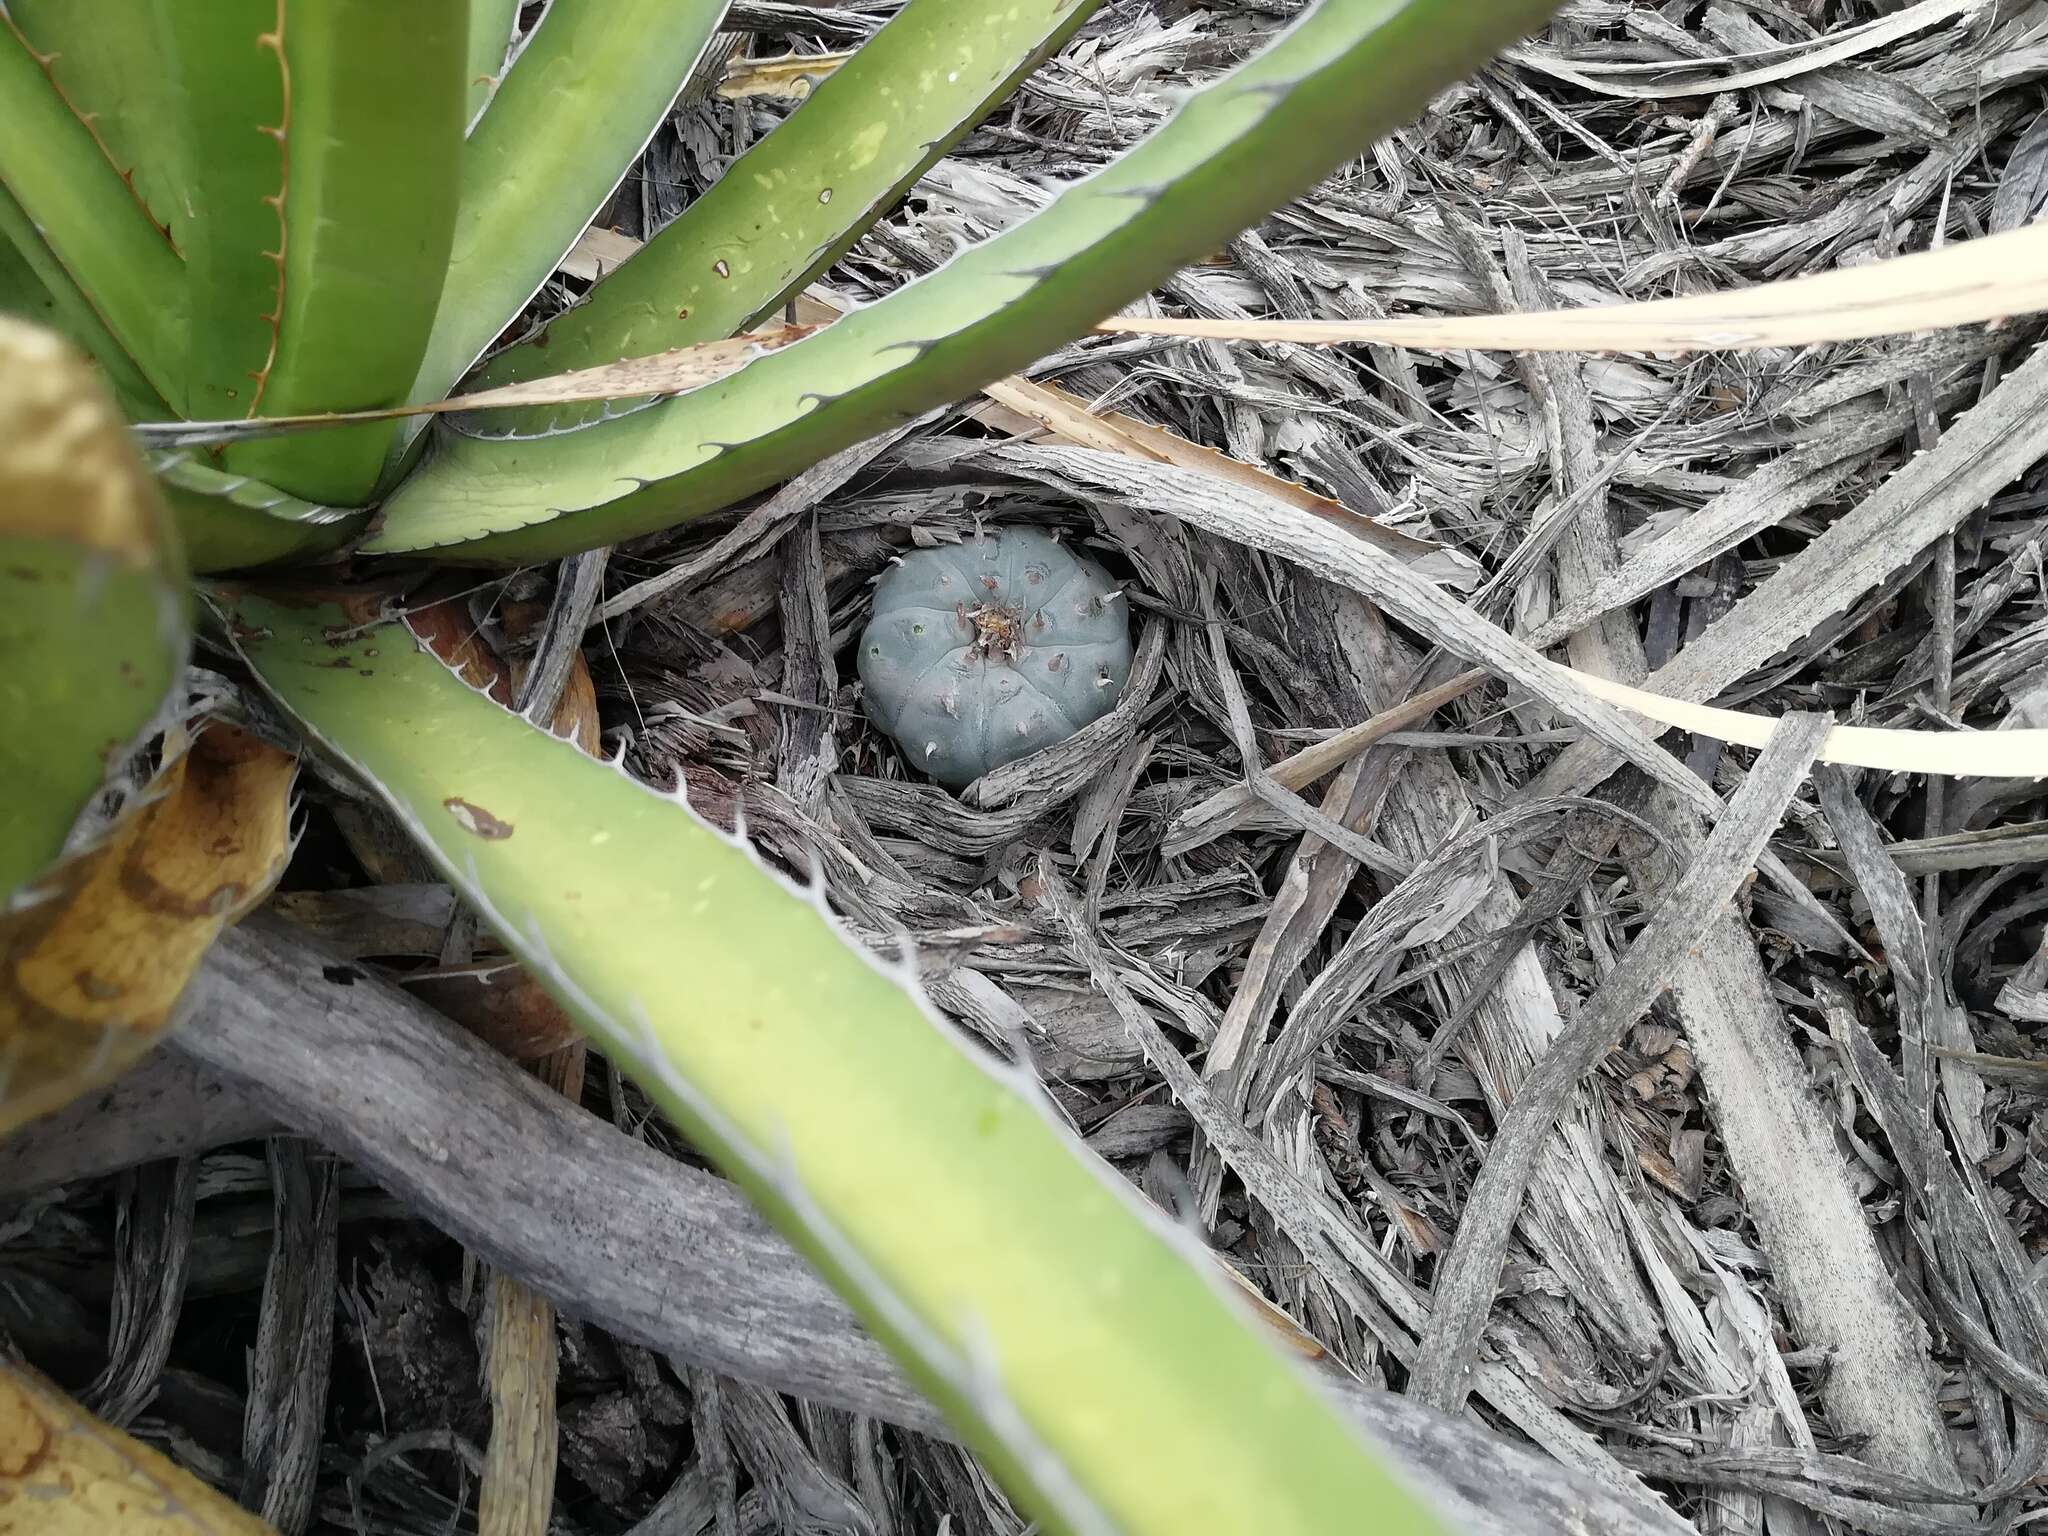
1294,951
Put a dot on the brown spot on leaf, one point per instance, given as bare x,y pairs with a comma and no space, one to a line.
477,820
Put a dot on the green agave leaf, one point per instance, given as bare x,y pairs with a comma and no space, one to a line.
491,25
93,613
373,161
1108,1379
107,60
22,290
228,65
34,285
1347,72
90,221
793,204
228,521
585,95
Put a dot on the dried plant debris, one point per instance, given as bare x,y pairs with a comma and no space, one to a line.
1293,931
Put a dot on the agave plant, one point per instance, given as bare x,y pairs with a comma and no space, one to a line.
248,210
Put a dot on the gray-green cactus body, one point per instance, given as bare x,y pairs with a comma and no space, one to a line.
983,652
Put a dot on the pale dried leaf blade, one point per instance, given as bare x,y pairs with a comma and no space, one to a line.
1986,448
596,252
2014,754
1848,43
1972,282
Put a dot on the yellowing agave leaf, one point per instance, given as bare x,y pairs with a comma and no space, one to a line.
64,1473
93,616
94,954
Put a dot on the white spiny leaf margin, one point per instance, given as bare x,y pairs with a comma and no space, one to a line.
179,468
515,45
454,424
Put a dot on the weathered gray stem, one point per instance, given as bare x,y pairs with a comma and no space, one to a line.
658,1252
166,1106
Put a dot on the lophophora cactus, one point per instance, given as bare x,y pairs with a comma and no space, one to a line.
984,652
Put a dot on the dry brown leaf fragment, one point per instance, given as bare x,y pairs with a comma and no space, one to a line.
661,373
447,629
64,1473
95,954
1289,1332
1113,432
1421,1232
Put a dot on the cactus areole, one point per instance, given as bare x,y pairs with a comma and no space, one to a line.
983,652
